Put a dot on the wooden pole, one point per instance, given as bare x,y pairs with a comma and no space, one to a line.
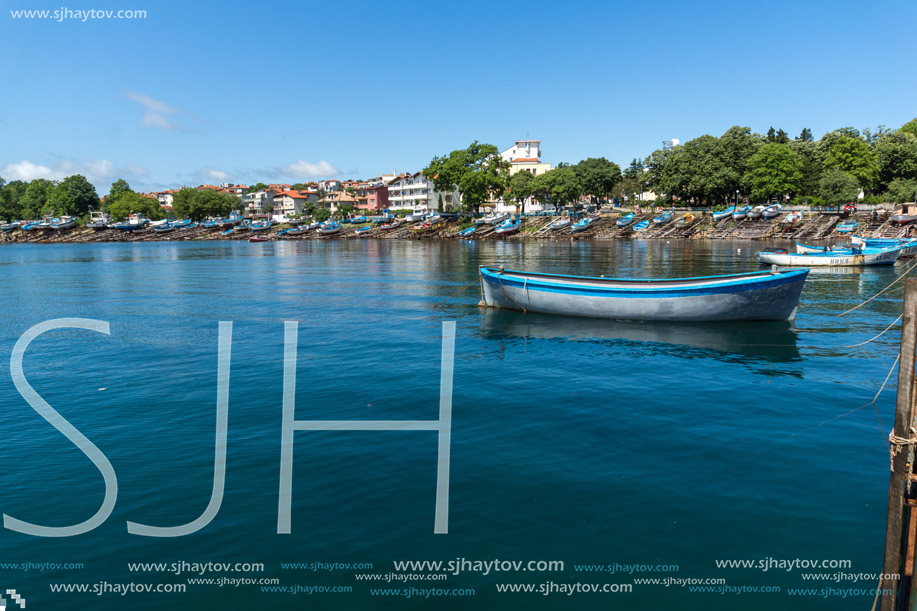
904,416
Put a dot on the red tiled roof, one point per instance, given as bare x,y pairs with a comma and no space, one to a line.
292,194
526,160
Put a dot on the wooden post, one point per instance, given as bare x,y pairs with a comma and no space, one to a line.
904,416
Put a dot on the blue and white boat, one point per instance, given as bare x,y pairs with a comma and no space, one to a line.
772,211
164,228
719,216
626,220
642,226
181,224
768,295
261,226
363,231
663,218
583,224
467,232
832,258
229,231
558,224
909,244
64,222
508,227
846,227
329,228
358,220
134,223
738,215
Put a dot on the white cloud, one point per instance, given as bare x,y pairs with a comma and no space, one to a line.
304,169
98,172
157,113
218,175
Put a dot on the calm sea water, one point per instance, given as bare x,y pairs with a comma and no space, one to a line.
583,441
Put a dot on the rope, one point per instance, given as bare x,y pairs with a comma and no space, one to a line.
896,443
897,280
507,295
880,334
462,290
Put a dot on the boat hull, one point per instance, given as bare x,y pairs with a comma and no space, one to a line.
830,259
756,296
719,216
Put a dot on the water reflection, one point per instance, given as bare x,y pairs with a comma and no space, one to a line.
750,344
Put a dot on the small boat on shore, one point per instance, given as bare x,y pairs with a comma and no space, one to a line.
719,216
625,220
772,211
467,232
793,217
558,224
756,212
886,256
642,226
329,228
229,231
768,295
388,226
903,219
261,226
583,224
297,230
508,227
685,220
134,223
495,218
359,220
846,226
64,222
12,226
98,220
418,214
258,238
363,231
663,218
164,228
740,214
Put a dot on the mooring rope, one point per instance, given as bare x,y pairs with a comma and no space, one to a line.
507,295
896,443
462,290
880,334
897,280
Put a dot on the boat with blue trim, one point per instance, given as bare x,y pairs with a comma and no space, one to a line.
508,227
739,215
846,226
467,232
832,258
329,228
642,226
719,216
558,224
663,218
583,224
625,220
767,295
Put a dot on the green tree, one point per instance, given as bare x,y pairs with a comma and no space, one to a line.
896,153
299,187
479,172
910,127
805,135
73,196
597,177
900,191
560,187
118,188
35,198
520,187
11,208
735,148
655,168
129,202
774,170
321,215
854,157
698,171
257,187
198,205
809,165
838,187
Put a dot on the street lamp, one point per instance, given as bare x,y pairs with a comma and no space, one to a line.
737,198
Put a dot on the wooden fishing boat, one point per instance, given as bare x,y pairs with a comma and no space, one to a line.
719,216
558,224
756,212
359,220
903,219
297,230
262,226
768,295
229,231
362,231
625,220
807,248
467,232
831,258
12,226
663,218
793,217
772,211
583,224
388,226
846,227
508,227
685,220
258,238
64,222
495,218
98,220
418,214
329,228
740,214
164,228
642,226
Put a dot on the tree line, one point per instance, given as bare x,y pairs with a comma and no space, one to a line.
707,171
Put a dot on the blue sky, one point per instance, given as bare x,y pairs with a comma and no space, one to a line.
288,91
